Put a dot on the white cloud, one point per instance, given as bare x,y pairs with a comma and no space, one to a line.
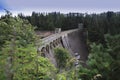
27,6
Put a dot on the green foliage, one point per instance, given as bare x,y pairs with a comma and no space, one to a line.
18,54
62,57
26,64
113,43
65,65
71,74
101,61
61,76
21,29
85,74
100,55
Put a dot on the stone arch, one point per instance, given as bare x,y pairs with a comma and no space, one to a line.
47,48
51,45
43,50
57,41
61,41
54,43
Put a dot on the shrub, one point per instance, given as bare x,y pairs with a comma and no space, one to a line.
62,57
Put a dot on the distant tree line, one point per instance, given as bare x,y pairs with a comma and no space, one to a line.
49,21
104,22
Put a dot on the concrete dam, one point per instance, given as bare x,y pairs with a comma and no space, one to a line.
72,40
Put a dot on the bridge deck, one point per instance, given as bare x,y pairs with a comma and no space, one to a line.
50,38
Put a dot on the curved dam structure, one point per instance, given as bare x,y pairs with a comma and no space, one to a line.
72,40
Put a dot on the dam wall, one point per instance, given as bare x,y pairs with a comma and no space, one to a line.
72,40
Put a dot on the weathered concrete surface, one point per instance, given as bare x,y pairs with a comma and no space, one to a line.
78,45
44,34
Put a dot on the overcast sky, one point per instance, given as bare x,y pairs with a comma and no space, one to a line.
64,6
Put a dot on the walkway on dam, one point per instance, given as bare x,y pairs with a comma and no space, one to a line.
56,35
